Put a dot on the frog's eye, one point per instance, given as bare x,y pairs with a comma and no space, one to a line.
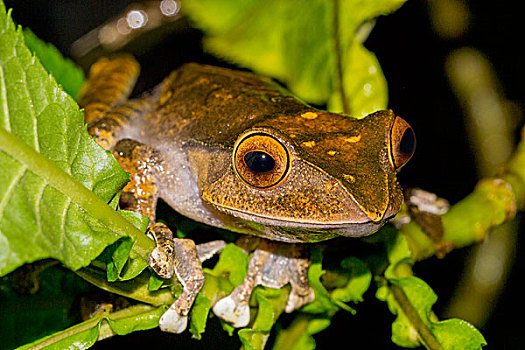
261,160
402,142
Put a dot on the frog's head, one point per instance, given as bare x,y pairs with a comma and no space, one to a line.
313,175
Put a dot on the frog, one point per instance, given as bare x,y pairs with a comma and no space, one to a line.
237,151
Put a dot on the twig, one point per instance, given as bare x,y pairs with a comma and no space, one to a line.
339,59
411,313
493,202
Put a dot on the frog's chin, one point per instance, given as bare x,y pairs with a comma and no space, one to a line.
294,231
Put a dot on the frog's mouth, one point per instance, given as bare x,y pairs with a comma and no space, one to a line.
297,230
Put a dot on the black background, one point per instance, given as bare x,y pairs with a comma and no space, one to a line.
412,58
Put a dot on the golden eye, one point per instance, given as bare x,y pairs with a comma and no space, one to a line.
402,142
261,160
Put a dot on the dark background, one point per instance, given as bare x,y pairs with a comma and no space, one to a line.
412,58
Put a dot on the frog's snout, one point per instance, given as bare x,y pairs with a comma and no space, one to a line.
375,216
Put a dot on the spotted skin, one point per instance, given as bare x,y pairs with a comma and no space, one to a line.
338,173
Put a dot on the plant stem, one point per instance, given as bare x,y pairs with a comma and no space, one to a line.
57,337
101,329
339,60
411,313
136,289
493,202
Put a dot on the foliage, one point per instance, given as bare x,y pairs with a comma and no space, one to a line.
312,46
64,70
419,298
59,189
55,179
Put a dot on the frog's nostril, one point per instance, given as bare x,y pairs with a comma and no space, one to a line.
374,215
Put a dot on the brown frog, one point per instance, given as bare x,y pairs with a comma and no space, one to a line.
236,151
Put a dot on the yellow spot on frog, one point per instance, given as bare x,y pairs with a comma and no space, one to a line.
332,153
349,178
224,97
309,144
330,186
353,139
309,115
165,97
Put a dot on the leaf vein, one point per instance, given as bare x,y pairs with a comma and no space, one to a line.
63,233
38,214
26,82
3,101
11,189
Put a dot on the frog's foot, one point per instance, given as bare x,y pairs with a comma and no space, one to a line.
161,258
173,321
301,293
272,265
426,210
234,309
189,273
182,258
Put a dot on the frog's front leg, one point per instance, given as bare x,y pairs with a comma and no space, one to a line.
273,265
182,257
171,256
109,84
177,256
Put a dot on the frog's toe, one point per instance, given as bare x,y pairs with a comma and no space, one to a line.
161,263
233,312
173,322
299,297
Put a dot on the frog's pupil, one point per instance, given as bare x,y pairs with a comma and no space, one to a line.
407,143
259,162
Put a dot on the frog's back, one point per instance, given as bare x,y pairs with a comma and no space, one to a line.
214,105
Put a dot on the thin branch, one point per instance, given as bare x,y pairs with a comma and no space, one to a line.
411,313
339,59
487,112
494,201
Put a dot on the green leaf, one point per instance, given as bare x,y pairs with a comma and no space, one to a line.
357,276
199,316
65,71
415,324
364,83
85,334
136,288
300,43
322,302
256,337
55,180
112,257
155,282
232,265
270,304
358,282
123,263
398,253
